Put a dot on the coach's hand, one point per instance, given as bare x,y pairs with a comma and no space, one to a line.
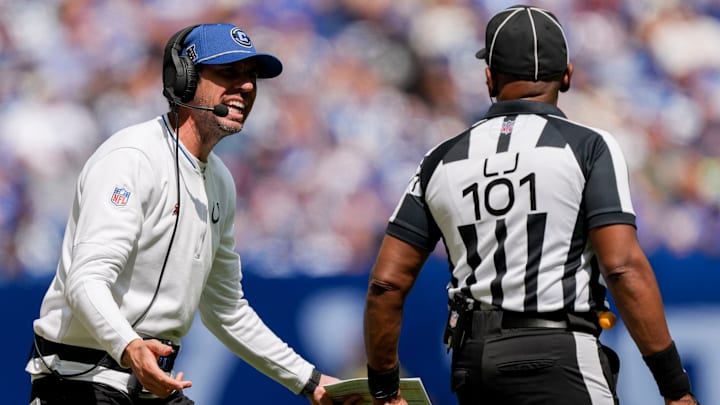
320,396
142,356
398,400
688,399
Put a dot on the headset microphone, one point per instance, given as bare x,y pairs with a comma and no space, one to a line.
220,110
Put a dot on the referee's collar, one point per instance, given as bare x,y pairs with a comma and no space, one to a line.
512,107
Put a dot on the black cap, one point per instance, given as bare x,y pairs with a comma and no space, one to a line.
526,42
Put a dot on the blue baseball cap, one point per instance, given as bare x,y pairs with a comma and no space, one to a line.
219,44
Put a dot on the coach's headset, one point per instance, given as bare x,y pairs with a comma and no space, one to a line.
179,75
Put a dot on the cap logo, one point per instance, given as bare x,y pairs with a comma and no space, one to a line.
192,53
241,37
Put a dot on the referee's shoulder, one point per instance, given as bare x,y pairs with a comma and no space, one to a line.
572,126
446,144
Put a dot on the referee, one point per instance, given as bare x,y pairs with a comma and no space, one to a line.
535,214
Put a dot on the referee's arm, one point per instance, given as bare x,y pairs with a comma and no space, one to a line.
396,268
633,286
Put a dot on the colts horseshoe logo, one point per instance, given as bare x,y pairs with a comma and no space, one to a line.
215,216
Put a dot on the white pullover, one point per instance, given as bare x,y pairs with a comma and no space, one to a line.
115,243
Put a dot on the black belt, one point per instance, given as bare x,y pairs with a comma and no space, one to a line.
517,320
580,322
93,356
44,347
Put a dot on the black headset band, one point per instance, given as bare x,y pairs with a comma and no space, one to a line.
179,76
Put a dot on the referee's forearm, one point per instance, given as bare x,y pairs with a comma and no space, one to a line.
638,300
633,286
391,279
383,319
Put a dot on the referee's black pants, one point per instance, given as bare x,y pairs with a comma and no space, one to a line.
51,390
496,365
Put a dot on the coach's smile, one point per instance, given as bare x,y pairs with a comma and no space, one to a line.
236,108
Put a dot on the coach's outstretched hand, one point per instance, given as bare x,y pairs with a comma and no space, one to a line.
398,400
395,401
320,396
142,356
685,400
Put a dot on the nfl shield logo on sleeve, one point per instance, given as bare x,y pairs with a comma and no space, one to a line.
120,197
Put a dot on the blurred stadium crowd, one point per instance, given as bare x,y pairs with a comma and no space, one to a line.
368,87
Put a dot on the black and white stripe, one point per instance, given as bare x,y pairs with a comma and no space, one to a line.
513,198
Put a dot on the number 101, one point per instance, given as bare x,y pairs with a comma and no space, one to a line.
505,183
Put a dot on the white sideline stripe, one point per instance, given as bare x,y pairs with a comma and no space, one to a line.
586,351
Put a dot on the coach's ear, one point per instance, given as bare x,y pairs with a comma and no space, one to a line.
565,84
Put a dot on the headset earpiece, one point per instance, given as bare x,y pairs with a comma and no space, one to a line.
179,75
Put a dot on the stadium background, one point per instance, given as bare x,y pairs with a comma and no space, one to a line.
368,87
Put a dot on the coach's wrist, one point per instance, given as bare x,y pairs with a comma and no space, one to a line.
384,384
309,388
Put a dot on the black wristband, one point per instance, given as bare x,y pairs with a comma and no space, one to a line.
669,374
384,384
309,388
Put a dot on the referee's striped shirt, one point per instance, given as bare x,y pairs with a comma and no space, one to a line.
513,198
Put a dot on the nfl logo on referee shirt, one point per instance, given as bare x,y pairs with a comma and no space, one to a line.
120,197
507,126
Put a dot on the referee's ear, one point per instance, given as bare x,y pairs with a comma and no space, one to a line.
490,82
565,84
